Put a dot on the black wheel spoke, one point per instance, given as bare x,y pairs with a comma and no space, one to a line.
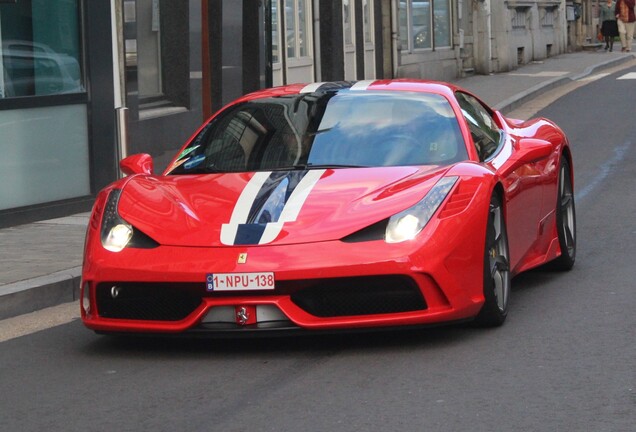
569,238
566,201
497,267
498,264
565,219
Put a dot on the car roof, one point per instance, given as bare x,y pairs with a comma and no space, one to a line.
397,85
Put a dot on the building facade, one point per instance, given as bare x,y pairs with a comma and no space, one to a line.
442,39
49,163
84,83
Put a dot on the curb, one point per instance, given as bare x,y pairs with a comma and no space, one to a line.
521,98
38,293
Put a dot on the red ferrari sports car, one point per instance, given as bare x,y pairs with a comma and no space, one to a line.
332,206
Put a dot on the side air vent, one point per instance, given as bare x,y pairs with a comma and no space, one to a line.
459,200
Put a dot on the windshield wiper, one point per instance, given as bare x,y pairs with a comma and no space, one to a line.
310,166
311,134
322,166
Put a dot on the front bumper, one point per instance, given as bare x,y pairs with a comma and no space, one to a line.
319,286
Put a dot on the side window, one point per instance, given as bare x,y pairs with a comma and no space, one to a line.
483,128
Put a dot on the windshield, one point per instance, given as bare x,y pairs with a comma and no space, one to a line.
331,129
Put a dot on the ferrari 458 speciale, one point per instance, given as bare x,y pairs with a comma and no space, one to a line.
332,206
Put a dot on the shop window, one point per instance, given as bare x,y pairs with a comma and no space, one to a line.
424,24
367,16
40,48
349,30
275,33
297,28
442,23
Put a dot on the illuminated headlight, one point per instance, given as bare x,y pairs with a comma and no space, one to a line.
115,232
118,237
409,223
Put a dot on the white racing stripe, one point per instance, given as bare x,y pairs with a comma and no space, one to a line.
243,205
310,88
289,213
362,85
293,205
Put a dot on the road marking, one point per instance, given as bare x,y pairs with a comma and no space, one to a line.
595,77
34,322
605,170
630,75
541,74
530,108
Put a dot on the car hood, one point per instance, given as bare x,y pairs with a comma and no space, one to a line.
279,207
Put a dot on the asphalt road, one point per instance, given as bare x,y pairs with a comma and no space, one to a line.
564,361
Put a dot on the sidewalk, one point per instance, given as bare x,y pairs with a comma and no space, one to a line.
41,262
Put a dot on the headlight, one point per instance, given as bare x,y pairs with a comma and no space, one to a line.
408,224
118,237
115,232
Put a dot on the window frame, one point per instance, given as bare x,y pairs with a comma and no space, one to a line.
410,47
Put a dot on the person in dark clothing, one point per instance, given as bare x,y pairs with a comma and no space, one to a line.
609,28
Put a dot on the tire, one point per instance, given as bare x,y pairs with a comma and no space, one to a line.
496,268
565,219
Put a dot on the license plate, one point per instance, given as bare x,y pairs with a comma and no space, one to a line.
240,281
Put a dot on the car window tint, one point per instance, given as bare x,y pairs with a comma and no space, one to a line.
483,128
332,128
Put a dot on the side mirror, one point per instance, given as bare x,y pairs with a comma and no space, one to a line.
137,164
530,150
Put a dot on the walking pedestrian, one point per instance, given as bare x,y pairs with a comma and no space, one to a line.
624,12
609,28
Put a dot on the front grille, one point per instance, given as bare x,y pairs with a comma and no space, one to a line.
147,301
368,295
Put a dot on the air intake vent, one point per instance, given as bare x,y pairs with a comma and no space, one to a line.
360,296
459,200
146,301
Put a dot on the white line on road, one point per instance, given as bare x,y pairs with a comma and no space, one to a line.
605,170
594,77
33,322
540,74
